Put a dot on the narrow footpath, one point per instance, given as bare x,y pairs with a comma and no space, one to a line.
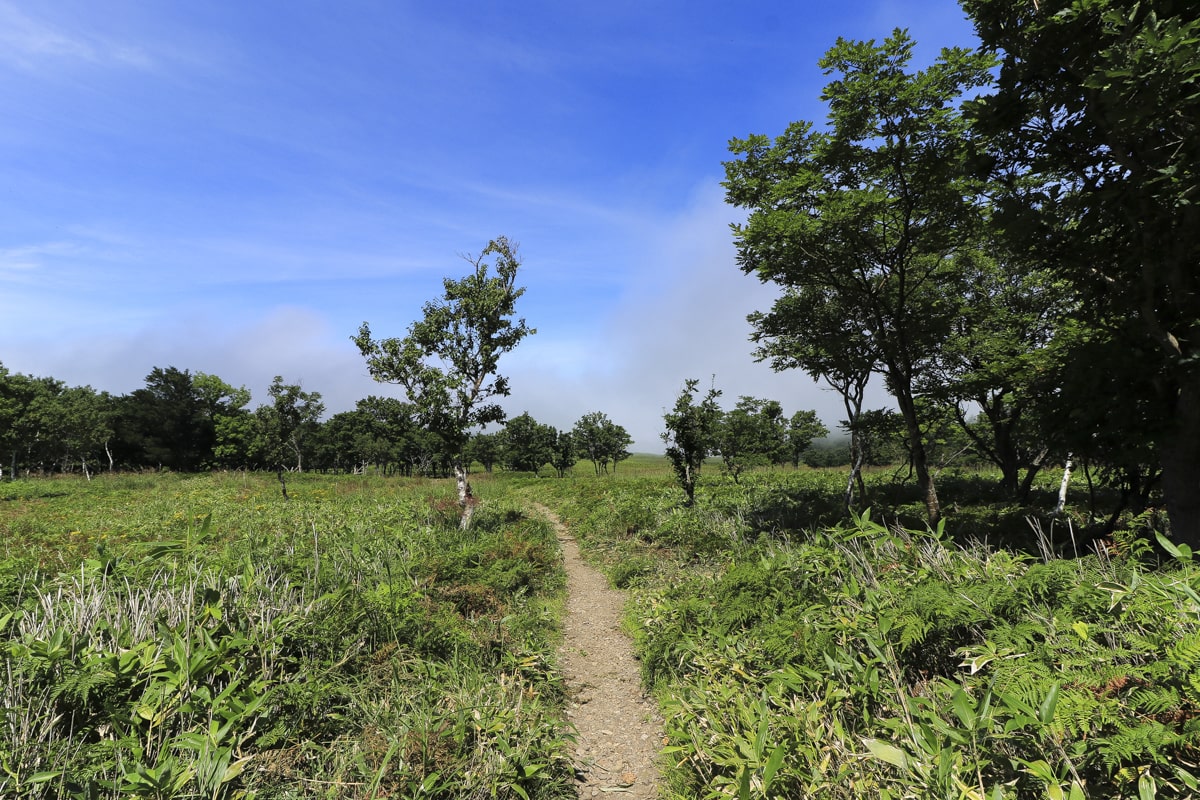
619,728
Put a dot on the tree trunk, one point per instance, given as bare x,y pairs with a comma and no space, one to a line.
466,500
1062,487
920,460
1179,454
856,465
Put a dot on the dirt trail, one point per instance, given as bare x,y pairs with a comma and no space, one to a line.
619,728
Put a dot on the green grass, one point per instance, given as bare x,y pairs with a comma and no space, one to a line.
185,636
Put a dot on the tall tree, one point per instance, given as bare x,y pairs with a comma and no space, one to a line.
869,214
166,424
447,364
1096,123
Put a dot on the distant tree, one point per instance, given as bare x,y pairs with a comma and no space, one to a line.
563,457
803,428
691,434
485,448
601,441
526,444
84,425
447,363
751,434
288,422
165,424
867,215
28,407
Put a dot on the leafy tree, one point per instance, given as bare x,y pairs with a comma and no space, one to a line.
84,419
563,457
447,363
240,440
691,434
165,424
601,441
803,428
751,434
527,444
28,409
1095,122
997,359
287,423
869,214
486,448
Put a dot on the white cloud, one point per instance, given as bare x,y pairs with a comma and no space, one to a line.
683,316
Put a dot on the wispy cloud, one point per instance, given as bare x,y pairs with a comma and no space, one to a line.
29,43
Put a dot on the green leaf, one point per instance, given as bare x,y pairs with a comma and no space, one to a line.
1046,709
43,777
1147,787
773,764
886,752
1181,553
964,708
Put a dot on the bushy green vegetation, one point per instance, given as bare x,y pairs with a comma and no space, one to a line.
796,655
168,637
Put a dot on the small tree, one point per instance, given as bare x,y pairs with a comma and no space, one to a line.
601,441
563,457
691,434
486,449
803,428
287,423
447,363
750,435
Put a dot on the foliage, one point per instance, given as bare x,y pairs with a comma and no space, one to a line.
865,660
447,364
526,444
601,441
691,434
751,434
860,223
1094,126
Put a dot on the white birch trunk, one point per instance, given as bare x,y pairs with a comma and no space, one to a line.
466,500
1062,487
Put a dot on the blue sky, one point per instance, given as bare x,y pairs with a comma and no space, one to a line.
233,187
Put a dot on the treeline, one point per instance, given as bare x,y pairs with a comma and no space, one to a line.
186,422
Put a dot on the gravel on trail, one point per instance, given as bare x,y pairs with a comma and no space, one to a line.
619,728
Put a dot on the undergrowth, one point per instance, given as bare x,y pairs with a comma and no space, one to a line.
798,656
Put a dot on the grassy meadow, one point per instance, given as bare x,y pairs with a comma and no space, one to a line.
197,636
